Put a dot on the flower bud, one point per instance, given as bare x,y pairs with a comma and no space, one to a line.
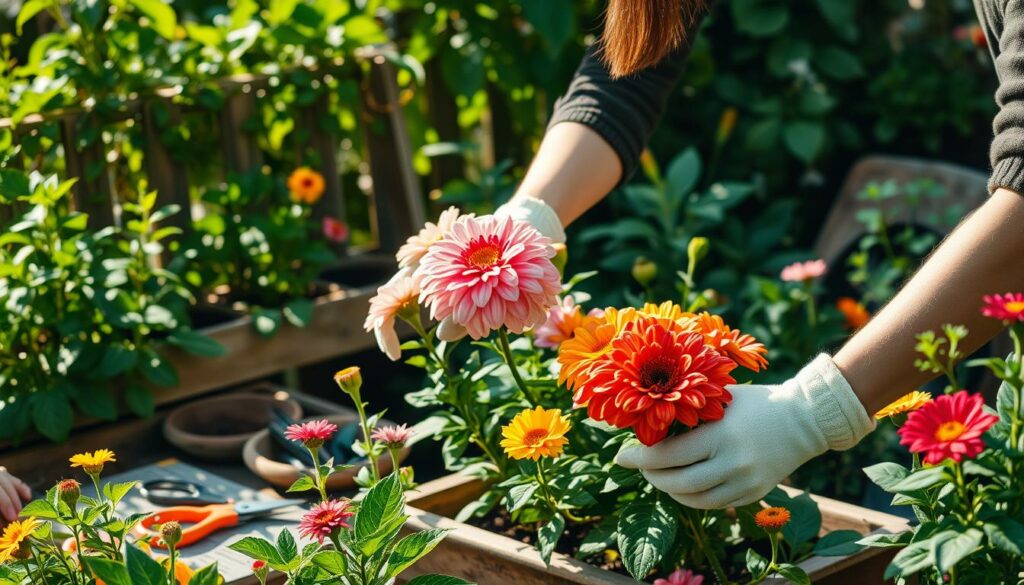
170,533
350,380
697,249
560,258
69,491
726,124
644,271
260,570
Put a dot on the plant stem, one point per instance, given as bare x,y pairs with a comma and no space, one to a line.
697,527
172,555
812,313
542,480
961,490
320,480
506,350
367,443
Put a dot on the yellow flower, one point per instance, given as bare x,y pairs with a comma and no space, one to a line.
907,403
537,433
14,536
93,462
306,185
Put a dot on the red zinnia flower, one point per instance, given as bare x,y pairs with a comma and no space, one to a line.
335,230
654,373
949,427
324,519
1008,307
312,434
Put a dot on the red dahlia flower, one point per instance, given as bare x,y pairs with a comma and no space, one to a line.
655,373
949,427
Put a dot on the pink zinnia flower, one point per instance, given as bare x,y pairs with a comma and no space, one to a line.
394,436
1008,307
396,297
562,320
416,247
335,230
949,427
487,273
681,577
325,519
803,271
312,434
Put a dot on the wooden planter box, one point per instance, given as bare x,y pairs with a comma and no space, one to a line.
487,558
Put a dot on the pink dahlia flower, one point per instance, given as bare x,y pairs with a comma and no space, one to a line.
681,577
803,271
563,319
396,297
325,519
312,434
416,247
394,436
1008,307
487,273
949,427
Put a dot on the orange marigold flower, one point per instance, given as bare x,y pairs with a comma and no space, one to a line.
772,519
907,403
656,373
742,348
536,433
590,341
1007,307
305,185
855,313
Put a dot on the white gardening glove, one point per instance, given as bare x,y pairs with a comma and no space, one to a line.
767,432
536,213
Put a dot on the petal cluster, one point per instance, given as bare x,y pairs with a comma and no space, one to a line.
305,185
536,433
949,427
855,313
312,433
395,297
803,271
393,435
681,577
487,273
416,247
325,519
654,374
1006,307
907,403
563,319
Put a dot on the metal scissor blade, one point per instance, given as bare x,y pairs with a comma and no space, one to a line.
247,510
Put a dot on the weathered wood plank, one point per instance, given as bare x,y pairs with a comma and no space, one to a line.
325,145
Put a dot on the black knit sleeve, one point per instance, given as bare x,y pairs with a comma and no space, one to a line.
1007,152
623,111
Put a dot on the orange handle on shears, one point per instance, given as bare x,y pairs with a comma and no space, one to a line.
197,522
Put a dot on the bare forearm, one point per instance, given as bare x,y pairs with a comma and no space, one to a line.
984,255
573,170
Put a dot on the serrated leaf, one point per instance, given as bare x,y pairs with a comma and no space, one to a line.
303,484
411,549
438,580
143,570
645,532
258,548
519,495
548,535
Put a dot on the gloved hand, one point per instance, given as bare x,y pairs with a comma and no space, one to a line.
536,213
533,211
767,432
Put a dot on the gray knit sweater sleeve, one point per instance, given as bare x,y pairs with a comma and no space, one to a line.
623,111
1007,152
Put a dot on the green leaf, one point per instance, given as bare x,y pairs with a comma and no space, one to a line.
116,360
548,535
760,18
197,343
28,10
299,312
554,21
682,174
157,370
286,546
52,414
794,574
411,549
948,551
208,575
646,531
331,561
266,322
804,139
161,16
142,569
40,509
913,558
805,517
380,513
887,540
839,543
280,11
438,580
100,403
258,548
756,563
838,63
599,539
303,484
111,572
1006,534
886,475
519,495
921,479
139,400
116,491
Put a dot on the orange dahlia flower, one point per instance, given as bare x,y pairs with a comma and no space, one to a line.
653,374
855,313
305,185
589,342
744,349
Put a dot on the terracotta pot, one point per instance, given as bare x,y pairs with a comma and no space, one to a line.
260,456
488,558
217,428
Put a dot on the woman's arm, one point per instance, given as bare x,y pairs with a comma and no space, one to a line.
984,255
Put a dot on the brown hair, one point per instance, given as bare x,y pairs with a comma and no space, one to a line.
639,33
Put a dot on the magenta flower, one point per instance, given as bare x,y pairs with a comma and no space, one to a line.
487,273
312,434
681,577
335,230
325,519
949,427
394,436
1007,307
803,271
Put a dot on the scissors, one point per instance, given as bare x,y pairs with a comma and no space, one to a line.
200,512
